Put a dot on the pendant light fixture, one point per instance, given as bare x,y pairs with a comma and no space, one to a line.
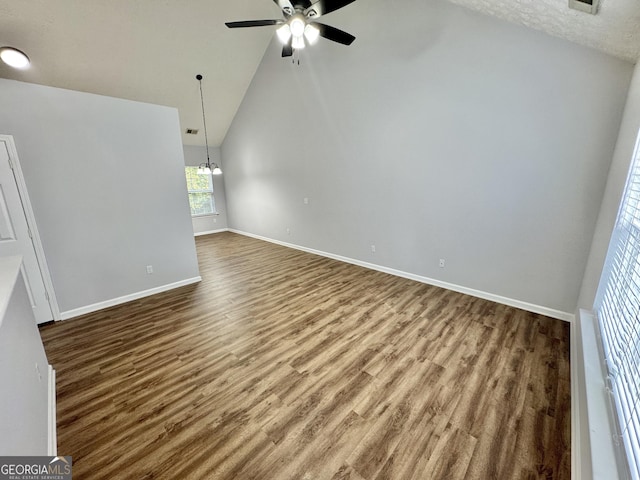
206,168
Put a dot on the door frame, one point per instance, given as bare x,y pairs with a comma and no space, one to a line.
31,222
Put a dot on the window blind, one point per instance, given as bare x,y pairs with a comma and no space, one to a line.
617,308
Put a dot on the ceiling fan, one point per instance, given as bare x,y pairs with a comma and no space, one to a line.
299,23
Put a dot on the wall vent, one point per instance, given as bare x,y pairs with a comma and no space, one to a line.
191,131
587,6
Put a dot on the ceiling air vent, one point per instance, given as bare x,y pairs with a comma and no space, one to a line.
191,131
588,6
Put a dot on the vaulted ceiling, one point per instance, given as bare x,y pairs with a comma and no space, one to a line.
151,50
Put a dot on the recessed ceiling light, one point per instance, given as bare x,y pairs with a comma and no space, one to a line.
14,57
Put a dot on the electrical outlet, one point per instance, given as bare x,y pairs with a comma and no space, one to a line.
288,231
441,263
306,200
373,249
149,269
38,373
215,220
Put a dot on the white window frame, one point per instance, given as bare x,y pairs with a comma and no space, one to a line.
198,191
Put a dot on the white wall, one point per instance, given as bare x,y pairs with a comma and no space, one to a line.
440,133
194,155
24,407
616,180
106,180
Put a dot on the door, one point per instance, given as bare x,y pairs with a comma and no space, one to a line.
16,238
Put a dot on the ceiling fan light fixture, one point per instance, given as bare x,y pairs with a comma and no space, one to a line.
284,33
14,58
297,43
311,33
297,25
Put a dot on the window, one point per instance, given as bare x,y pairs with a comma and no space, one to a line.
618,310
200,189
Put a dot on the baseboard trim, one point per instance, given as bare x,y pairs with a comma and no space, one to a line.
76,312
209,232
530,307
52,442
576,404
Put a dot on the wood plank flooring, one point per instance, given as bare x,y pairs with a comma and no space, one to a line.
285,365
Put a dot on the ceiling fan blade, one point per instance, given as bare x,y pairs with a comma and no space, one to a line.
322,7
252,23
287,49
334,34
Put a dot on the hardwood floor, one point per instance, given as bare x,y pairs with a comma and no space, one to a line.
285,365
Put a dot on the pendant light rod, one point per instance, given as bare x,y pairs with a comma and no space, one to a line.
206,168
204,120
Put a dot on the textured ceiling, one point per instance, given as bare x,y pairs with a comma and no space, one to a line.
614,30
151,50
